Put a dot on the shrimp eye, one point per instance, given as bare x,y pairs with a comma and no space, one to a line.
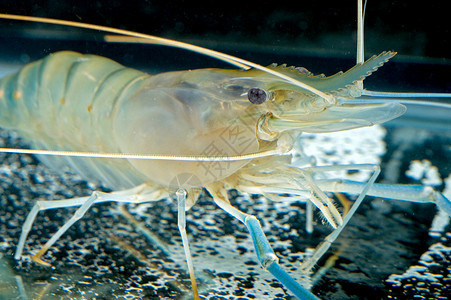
257,96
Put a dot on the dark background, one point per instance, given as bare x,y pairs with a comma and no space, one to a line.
403,26
318,35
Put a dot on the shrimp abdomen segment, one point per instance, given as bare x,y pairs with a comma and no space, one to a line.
56,96
66,101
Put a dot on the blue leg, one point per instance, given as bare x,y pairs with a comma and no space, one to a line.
265,254
411,193
269,260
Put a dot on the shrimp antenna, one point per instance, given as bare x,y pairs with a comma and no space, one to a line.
360,33
242,63
361,8
145,156
360,57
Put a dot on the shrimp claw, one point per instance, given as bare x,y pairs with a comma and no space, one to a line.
410,193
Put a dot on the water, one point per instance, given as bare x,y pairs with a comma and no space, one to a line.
105,254
389,250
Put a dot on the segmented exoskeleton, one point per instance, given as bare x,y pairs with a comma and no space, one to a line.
85,103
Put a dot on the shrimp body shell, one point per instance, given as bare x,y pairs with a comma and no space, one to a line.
76,102
53,107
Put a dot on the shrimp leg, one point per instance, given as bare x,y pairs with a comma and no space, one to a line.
139,194
362,190
265,253
411,193
181,222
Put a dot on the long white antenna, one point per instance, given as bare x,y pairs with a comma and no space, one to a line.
171,43
146,156
360,34
360,49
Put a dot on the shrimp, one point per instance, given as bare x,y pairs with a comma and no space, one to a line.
178,132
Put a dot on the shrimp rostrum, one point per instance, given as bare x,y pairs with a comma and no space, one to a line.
184,131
